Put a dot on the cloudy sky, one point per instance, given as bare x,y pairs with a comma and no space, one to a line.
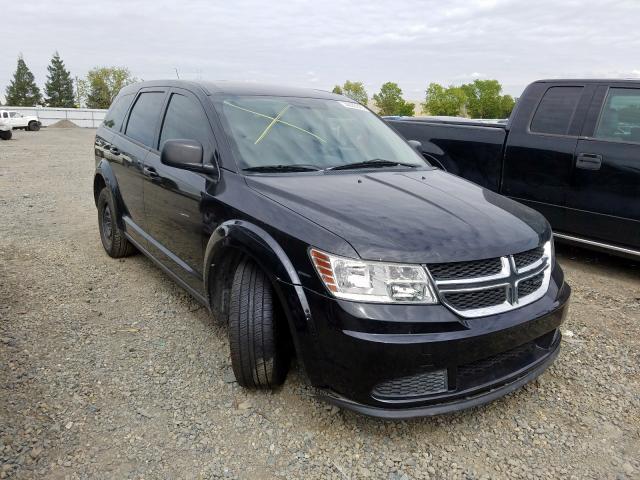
317,44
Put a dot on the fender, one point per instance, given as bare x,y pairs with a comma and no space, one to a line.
105,173
261,247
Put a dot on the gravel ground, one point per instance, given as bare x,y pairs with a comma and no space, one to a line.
109,370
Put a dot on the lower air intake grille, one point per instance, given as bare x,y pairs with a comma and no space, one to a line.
418,385
476,299
530,285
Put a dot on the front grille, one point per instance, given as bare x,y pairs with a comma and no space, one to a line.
485,287
418,385
459,270
530,285
476,299
527,258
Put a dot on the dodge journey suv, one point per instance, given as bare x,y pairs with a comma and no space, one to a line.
308,225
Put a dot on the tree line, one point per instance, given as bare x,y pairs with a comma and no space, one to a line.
479,99
61,90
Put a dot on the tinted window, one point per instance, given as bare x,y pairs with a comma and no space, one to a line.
555,112
116,113
5,114
143,117
620,117
185,119
14,115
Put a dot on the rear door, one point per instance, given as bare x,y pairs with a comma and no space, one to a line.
129,149
542,139
173,196
604,199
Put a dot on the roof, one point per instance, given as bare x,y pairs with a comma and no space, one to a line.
589,80
241,88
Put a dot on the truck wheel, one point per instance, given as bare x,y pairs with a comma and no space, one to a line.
6,135
33,126
113,239
259,356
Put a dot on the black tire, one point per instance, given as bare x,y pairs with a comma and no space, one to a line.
113,239
259,353
33,126
6,135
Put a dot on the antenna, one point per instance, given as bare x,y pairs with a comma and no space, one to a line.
177,74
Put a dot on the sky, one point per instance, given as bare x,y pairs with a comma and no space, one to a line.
319,43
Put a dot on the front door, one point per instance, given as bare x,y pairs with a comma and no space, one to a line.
540,146
173,196
604,200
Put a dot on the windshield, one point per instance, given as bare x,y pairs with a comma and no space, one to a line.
284,131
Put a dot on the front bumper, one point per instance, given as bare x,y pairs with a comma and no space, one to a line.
357,348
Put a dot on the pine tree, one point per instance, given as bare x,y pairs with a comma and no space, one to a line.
59,86
23,91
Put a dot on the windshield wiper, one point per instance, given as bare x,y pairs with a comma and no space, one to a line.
374,163
281,168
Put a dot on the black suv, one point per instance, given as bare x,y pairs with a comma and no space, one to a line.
305,222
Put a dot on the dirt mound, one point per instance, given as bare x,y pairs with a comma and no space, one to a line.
63,124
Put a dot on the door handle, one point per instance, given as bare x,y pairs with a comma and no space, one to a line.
589,161
150,172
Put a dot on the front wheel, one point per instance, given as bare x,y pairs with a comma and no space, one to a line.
6,134
259,353
33,126
111,235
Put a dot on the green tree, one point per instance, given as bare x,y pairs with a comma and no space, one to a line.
444,101
105,83
354,90
59,86
484,99
390,102
23,91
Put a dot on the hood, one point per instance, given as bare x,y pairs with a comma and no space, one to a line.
417,216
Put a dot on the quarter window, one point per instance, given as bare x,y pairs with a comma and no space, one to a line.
144,116
620,117
116,113
186,120
556,109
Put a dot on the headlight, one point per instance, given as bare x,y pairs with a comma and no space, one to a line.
373,281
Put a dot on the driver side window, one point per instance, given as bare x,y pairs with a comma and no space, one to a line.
620,117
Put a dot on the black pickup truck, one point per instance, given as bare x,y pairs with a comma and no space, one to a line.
571,150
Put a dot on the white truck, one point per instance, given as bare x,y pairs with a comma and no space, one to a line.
17,120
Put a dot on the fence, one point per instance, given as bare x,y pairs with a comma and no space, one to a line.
83,117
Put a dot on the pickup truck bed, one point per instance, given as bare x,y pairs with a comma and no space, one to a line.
466,148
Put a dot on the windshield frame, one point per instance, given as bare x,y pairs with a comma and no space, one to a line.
218,100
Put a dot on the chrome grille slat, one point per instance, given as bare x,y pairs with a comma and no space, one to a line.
495,285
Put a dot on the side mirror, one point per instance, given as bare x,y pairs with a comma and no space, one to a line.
186,155
417,146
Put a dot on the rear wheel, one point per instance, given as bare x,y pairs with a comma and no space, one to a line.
111,235
33,126
259,353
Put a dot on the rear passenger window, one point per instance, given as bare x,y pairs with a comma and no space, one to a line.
556,109
186,120
620,117
116,113
144,117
